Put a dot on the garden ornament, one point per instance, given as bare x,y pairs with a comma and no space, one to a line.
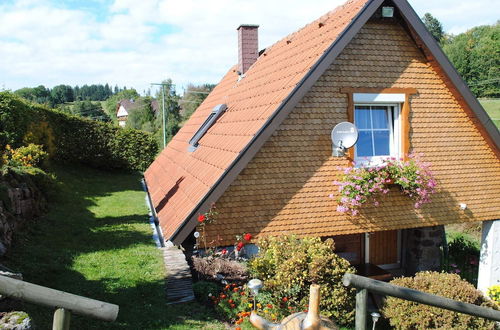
298,321
255,285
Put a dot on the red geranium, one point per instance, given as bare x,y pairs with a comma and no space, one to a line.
239,246
201,218
247,237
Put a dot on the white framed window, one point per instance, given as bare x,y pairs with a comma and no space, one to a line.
377,118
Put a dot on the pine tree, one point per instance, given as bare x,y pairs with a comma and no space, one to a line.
433,26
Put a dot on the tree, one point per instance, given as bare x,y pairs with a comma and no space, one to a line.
89,109
193,97
143,116
475,55
38,94
433,26
61,94
172,109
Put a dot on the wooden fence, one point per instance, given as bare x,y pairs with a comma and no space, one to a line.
65,303
364,285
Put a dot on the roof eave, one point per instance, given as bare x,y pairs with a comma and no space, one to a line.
276,119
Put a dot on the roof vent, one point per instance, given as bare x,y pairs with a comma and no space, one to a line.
387,11
217,111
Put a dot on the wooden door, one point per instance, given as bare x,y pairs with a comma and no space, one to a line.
383,248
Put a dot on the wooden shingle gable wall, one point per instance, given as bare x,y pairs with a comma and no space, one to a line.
285,187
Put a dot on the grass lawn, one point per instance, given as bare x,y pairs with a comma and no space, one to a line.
492,107
96,242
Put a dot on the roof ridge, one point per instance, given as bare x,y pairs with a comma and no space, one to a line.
320,19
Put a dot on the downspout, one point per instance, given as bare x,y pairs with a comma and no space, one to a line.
153,218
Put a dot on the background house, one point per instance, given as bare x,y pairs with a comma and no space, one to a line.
126,106
259,145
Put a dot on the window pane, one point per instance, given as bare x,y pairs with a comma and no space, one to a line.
362,117
364,144
379,118
381,143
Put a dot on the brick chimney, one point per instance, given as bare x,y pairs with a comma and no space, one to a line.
248,46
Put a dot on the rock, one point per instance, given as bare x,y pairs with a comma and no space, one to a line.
15,321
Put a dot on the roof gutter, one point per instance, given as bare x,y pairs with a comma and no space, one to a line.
277,118
153,217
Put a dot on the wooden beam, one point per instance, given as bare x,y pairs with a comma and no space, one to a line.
350,118
61,319
363,283
40,295
376,90
405,128
361,310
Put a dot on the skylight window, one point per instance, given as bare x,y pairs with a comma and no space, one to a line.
217,111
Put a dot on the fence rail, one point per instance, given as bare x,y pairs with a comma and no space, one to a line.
64,302
364,284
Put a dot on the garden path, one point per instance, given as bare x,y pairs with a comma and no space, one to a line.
179,282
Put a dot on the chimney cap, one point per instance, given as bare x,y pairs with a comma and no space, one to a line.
252,26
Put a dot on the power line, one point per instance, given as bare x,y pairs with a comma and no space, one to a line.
484,82
163,108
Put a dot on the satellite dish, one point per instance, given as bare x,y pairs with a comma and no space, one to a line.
344,136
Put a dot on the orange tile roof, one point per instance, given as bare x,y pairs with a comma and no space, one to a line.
181,183
178,179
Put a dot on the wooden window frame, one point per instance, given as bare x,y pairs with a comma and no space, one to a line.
404,115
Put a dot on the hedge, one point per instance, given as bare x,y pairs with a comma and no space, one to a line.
73,139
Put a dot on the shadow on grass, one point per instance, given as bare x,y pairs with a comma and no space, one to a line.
96,242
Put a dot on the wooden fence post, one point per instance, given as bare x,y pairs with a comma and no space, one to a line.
361,300
61,319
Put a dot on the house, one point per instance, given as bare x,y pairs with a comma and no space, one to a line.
126,106
259,145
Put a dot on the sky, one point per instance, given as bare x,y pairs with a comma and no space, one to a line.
135,43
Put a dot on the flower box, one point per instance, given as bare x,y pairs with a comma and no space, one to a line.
362,184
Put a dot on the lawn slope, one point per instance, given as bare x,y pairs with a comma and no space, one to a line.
492,107
96,242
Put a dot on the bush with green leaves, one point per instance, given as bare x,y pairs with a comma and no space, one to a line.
204,290
404,314
31,155
463,258
494,293
288,265
73,139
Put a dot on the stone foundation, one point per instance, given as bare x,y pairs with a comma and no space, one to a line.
22,205
422,248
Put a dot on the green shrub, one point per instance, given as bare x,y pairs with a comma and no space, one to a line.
405,314
463,258
203,291
73,139
494,293
31,155
289,265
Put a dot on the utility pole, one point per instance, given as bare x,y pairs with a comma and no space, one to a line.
163,110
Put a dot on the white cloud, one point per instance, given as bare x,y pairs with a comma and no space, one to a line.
134,43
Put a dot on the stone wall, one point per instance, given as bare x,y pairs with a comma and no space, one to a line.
20,204
422,248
